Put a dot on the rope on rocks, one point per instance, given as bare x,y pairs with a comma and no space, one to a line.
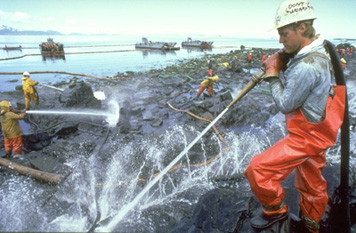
200,118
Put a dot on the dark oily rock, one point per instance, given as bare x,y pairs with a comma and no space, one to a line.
218,210
124,120
229,209
250,110
79,94
156,123
225,95
49,164
36,141
67,128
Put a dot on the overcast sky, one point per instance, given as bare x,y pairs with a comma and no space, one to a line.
240,18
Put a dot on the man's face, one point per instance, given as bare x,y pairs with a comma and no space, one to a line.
291,39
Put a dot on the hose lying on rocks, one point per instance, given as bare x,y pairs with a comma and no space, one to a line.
200,118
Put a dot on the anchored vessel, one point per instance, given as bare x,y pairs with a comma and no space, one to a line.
197,43
50,47
12,48
145,44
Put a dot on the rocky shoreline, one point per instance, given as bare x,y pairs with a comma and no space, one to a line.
51,141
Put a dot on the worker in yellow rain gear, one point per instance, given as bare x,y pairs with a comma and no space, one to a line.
343,63
11,129
207,84
29,90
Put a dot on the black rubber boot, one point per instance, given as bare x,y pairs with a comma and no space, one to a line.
7,155
276,223
297,225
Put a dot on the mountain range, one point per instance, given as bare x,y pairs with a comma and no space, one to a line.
6,30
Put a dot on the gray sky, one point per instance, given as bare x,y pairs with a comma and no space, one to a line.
238,18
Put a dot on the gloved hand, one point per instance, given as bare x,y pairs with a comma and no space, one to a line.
23,112
273,66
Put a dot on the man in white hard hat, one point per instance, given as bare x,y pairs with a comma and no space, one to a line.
29,90
314,112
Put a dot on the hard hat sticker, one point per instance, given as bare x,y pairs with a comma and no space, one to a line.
298,7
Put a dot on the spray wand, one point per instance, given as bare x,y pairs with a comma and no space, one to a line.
257,78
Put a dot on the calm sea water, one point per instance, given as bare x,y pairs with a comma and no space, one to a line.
125,58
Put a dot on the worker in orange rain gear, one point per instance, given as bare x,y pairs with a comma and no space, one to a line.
11,129
249,58
210,68
29,90
314,112
207,84
264,57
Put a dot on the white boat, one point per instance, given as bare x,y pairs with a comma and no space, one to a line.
145,44
197,43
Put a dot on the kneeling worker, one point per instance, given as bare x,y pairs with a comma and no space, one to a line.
11,128
207,84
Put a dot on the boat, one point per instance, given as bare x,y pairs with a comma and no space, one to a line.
50,47
197,43
12,48
145,44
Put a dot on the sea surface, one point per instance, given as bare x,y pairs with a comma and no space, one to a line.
104,55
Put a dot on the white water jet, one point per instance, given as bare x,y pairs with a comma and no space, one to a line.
112,116
128,207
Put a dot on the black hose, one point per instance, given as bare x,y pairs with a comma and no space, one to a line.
341,219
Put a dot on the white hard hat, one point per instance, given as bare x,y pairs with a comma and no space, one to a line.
26,73
291,11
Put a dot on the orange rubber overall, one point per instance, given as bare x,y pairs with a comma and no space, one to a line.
14,145
302,149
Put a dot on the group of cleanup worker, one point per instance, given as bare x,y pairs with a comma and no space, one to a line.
10,117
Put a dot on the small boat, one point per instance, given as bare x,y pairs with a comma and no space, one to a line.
197,43
145,44
12,48
50,47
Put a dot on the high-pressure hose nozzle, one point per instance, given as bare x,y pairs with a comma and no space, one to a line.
256,78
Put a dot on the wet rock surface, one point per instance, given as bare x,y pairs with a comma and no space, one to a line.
52,140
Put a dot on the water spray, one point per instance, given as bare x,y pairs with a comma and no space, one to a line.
252,83
112,116
56,88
